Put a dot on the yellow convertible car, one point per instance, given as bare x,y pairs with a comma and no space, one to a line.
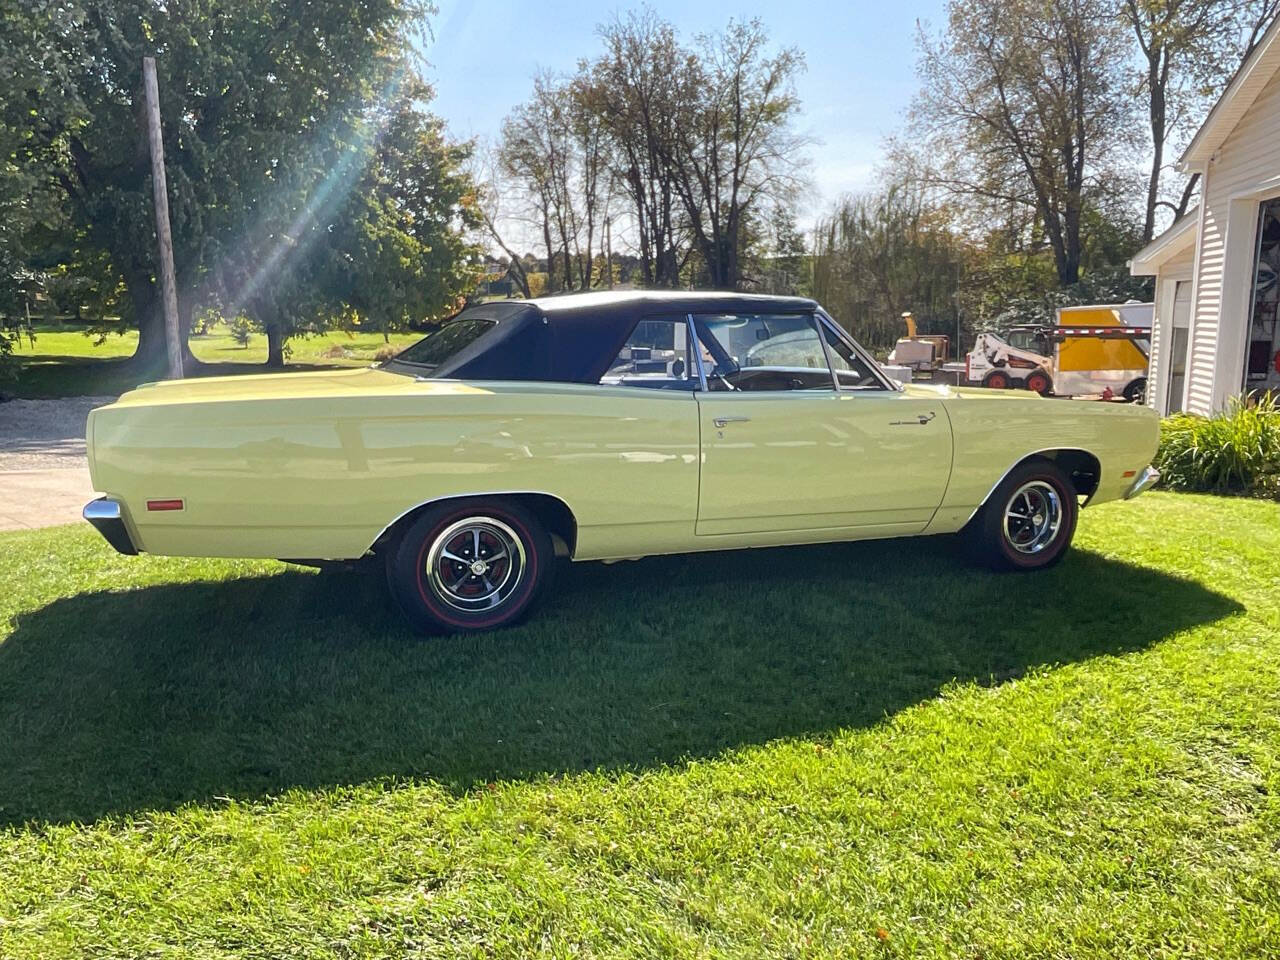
598,427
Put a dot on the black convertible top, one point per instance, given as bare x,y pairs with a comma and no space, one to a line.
574,338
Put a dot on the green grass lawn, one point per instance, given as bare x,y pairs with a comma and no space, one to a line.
66,361
857,750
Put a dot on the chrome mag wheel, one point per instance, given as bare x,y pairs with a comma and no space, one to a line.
1032,517
475,564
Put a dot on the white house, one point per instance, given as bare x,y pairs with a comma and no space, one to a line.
1215,330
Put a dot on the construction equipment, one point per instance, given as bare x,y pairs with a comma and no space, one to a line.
1092,350
921,353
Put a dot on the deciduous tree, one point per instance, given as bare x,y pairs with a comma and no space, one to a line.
1021,103
734,151
635,89
1188,49
272,114
881,253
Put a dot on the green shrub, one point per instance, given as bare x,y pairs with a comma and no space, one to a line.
202,323
1235,451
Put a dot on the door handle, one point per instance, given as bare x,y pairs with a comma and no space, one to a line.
721,421
920,419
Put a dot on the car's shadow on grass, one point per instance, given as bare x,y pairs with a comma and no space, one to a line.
112,703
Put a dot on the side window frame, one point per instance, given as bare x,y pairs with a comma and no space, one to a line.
824,320
815,322
826,350
695,347
676,321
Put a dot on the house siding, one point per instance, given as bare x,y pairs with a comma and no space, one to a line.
1158,327
1248,157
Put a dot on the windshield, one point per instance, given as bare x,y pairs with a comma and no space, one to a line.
1033,340
779,352
435,348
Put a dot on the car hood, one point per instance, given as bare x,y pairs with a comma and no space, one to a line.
926,390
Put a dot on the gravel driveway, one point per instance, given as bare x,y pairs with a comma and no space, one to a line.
44,476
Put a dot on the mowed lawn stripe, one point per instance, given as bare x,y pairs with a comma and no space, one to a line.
863,749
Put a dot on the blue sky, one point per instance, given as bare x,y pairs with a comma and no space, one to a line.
860,78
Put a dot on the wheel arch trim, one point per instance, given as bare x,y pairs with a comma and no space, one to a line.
1028,456
570,541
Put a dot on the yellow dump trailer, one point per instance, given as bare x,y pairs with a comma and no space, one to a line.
1079,353
1091,364
1091,351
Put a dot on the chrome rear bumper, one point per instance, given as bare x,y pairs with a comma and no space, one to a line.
1144,481
108,519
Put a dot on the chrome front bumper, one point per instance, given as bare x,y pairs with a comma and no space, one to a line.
1144,481
108,519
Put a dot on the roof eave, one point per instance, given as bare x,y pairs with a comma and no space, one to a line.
1248,80
1180,235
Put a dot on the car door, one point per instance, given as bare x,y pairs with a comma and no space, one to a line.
797,454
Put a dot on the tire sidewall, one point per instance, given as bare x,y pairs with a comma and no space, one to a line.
1005,555
1046,383
996,381
406,568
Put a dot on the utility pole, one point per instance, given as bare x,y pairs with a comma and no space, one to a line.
164,239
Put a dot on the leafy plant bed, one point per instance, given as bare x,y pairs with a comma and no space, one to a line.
1236,451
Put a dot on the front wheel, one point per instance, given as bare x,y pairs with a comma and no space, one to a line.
1038,382
468,566
996,381
1028,521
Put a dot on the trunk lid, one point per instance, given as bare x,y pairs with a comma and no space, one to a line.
317,383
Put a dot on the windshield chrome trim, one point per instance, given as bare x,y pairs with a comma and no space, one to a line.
826,351
695,345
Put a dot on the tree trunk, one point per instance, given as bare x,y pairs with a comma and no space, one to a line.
1069,272
150,357
1156,114
551,256
608,256
517,270
186,307
275,347
1187,193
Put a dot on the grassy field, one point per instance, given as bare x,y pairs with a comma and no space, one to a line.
854,750
66,361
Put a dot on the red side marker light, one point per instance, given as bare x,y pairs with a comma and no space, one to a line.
1125,475
164,504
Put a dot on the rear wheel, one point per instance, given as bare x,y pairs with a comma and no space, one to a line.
1136,392
469,565
1039,382
996,381
1028,521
